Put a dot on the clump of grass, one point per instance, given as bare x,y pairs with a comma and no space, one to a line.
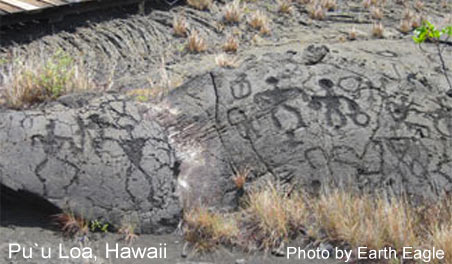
352,34
329,5
157,88
366,221
285,7
206,230
233,12
378,30
200,4
267,217
316,11
405,26
72,225
272,217
231,45
376,13
419,5
259,21
241,177
128,232
30,81
180,26
196,43
225,61
366,3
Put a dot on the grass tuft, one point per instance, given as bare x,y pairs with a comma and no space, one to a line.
259,21
196,43
225,61
233,12
71,225
27,82
180,26
231,45
206,230
200,4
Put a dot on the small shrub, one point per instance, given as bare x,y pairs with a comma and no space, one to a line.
428,32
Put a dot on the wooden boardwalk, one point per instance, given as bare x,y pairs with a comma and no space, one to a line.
17,11
16,6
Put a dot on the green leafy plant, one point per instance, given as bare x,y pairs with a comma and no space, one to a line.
96,225
428,32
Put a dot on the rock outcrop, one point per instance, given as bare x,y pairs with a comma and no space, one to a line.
339,115
97,157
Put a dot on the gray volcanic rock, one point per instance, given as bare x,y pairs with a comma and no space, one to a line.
357,118
375,120
102,160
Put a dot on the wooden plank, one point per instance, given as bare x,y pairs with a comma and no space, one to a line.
53,2
9,8
20,4
37,3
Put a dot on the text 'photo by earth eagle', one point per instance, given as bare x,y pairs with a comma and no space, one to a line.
225,131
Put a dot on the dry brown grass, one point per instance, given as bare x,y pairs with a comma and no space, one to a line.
233,12
196,43
378,30
376,13
28,81
225,61
405,26
71,225
316,11
285,7
329,5
241,177
419,5
200,4
366,221
353,34
180,26
259,21
206,230
231,44
128,232
157,88
270,217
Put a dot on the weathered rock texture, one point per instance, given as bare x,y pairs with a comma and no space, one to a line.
100,160
375,119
